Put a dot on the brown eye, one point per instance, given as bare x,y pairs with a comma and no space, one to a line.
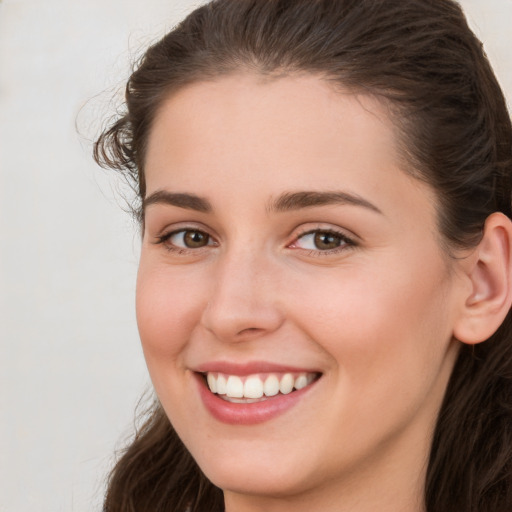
320,240
325,240
189,239
195,239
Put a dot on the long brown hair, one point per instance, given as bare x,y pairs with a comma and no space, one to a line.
420,57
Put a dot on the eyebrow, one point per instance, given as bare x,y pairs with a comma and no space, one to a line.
288,201
298,200
181,200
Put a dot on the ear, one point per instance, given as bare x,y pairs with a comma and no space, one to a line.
489,269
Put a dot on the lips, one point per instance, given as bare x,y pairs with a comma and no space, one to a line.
252,393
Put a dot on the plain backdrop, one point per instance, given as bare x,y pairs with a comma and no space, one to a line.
71,369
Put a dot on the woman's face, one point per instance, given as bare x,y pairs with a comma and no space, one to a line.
284,246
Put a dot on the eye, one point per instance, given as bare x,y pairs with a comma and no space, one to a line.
186,239
322,240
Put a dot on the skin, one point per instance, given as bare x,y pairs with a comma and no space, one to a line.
375,316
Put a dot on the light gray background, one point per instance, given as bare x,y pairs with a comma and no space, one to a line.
71,369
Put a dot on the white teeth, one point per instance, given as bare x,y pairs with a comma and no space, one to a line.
271,386
254,387
212,382
221,385
301,382
286,384
235,387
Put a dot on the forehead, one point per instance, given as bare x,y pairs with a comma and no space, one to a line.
268,121
244,134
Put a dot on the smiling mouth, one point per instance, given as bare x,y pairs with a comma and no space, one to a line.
257,387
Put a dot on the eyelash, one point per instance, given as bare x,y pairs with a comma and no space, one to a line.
345,242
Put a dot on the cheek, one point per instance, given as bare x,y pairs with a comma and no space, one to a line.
388,342
169,306
381,327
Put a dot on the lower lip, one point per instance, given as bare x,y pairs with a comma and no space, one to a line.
250,413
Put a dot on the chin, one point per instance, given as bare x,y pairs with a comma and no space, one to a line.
263,477
255,483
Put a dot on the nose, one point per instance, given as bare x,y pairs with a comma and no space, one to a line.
243,302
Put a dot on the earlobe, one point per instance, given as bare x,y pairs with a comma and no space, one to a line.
490,274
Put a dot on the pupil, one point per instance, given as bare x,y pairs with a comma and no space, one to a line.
195,239
327,240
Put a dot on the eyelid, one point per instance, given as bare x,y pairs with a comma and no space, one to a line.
170,229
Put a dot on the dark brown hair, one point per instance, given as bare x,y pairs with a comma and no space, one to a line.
422,60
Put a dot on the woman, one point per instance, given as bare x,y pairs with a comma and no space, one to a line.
324,286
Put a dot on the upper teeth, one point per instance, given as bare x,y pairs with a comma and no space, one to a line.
255,386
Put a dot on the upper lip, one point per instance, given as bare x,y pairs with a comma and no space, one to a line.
249,368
